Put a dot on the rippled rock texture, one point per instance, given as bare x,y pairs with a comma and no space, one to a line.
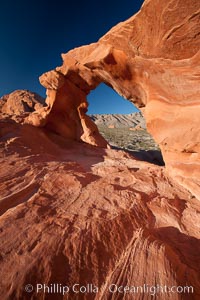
73,213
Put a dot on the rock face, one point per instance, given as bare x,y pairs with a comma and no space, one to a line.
146,59
133,120
73,215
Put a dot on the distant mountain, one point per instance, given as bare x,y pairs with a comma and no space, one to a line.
119,121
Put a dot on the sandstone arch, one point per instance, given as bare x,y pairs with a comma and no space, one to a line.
72,213
146,60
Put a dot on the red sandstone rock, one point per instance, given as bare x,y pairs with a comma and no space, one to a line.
72,213
20,101
147,60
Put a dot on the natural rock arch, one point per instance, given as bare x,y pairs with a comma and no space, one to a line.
146,60
72,213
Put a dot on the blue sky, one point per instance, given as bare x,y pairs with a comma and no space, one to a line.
104,100
34,33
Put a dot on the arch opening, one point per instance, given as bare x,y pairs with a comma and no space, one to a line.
122,124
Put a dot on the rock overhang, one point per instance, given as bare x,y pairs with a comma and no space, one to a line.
146,60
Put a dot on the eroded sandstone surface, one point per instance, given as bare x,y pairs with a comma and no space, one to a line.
152,59
72,213
19,102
